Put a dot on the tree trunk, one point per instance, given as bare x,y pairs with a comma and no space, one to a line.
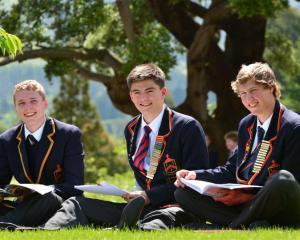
211,68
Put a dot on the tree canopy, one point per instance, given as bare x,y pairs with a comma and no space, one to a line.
102,41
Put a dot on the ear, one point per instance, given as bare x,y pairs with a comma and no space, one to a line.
164,91
130,95
46,103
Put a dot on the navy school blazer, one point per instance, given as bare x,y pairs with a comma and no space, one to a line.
283,136
184,147
60,153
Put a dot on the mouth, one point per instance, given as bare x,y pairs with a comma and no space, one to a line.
29,114
145,104
253,105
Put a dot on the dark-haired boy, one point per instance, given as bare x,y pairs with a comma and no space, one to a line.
159,141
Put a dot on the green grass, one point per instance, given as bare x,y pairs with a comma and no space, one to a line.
92,234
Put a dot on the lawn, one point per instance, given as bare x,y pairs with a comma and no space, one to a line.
92,234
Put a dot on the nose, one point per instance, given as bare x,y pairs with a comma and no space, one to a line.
248,96
27,106
144,96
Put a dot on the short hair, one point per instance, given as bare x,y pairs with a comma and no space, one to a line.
259,72
233,135
147,71
29,85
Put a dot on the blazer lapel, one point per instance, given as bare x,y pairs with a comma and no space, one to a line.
275,123
45,146
164,130
166,123
22,153
269,139
133,128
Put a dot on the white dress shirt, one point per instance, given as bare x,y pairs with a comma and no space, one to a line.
37,134
154,125
264,126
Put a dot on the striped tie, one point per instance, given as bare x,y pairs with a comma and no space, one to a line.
142,151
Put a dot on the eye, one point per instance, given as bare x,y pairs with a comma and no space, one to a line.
242,94
135,92
21,104
253,90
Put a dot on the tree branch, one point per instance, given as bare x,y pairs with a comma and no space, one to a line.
66,53
203,40
126,18
106,80
175,18
195,9
218,13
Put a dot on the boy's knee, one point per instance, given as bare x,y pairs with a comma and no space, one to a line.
180,194
282,181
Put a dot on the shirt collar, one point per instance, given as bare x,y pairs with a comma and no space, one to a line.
37,134
266,124
155,124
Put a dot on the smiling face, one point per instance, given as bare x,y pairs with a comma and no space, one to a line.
30,107
259,100
148,98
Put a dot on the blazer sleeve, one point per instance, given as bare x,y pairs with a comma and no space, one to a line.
194,155
194,150
5,171
73,165
291,154
221,174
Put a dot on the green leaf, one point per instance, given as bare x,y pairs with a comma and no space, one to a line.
9,43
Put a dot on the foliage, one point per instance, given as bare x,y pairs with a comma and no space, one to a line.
152,43
248,8
9,43
73,105
53,22
8,120
282,43
279,49
90,24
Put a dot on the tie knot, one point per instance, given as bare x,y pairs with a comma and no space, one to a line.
147,129
260,134
32,139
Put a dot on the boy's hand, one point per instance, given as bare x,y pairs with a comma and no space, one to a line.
233,197
190,175
132,195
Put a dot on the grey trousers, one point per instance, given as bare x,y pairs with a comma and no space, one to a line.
278,202
33,211
81,211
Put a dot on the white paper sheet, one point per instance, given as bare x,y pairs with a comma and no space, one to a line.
103,188
203,187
